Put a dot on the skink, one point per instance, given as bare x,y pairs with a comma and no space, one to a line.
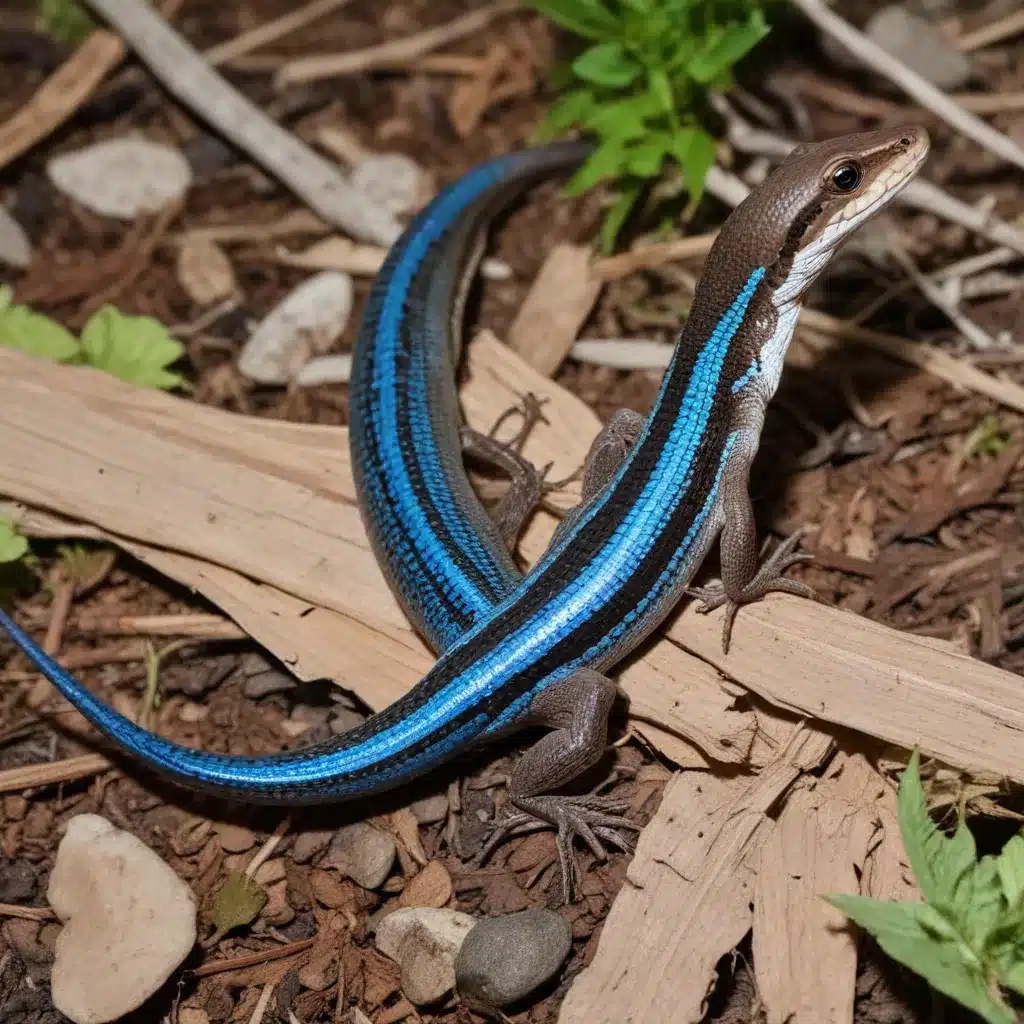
657,492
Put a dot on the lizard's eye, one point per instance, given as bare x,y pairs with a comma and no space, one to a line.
845,178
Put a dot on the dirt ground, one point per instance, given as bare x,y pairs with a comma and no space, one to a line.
905,479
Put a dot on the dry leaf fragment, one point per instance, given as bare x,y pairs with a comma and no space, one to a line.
205,272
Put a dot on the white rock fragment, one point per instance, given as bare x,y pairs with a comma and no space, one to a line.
122,177
424,941
391,180
129,921
304,324
15,249
334,369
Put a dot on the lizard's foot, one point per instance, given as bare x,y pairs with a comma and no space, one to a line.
594,819
531,409
769,577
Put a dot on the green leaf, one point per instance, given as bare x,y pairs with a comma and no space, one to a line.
918,936
586,18
135,348
644,159
1013,976
725,46
67,21
607,161
238,902
617,214
942,866
661,90
695,151
607,64
625,119
13,546
572,108
33,333
1010,865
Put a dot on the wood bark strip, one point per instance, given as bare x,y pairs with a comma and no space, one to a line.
688,894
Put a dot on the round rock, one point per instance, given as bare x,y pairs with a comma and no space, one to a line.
921,45
424,941
122,178
506,958
363,853
126,915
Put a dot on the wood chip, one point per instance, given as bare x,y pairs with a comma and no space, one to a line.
698,856
805,958
205,272
555,308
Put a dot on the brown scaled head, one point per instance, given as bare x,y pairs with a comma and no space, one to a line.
793,223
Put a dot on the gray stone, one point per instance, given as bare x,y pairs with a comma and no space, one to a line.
431,809
920,45
506,958
15,249
309,844
363,853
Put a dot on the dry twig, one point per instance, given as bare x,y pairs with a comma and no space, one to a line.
394,53
911,82
189,78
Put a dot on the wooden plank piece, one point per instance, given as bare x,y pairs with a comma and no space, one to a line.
688,894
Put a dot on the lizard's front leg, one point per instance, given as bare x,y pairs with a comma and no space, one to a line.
744,577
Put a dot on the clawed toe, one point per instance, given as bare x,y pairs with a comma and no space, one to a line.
595,820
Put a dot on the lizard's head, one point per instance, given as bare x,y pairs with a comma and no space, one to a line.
820,193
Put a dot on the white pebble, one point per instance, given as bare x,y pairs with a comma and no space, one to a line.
304,324
127,916
122,178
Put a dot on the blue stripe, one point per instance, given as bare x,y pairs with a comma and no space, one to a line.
412,528
752,371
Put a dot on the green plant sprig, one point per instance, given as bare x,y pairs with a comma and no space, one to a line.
643,83
137,349
967,938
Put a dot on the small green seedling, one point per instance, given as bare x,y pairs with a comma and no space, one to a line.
642,88
967,939
67,21
13,546
137,349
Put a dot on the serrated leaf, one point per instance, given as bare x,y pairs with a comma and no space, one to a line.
920,938
607,64
607,161
617,214
135,348
238,902
586,18
1010,866
625,119
940,863
644,158
33,333
13,546
725,46
695,151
